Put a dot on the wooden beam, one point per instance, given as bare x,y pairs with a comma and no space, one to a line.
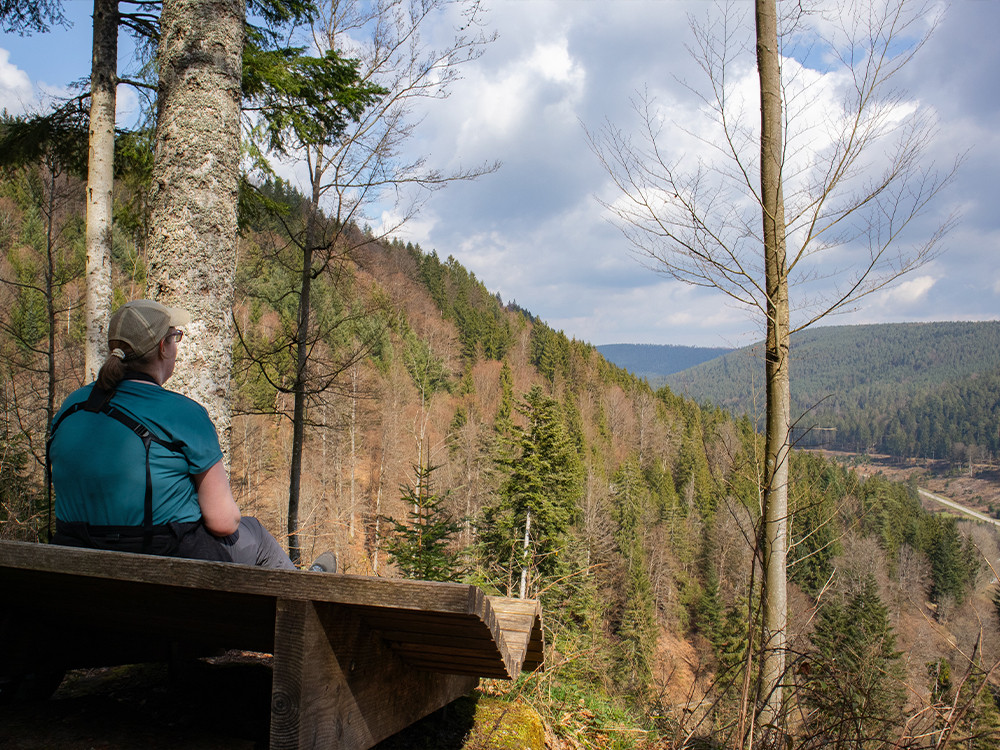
338,686
520,621
425,596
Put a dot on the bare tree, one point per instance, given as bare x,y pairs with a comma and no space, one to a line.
36,17
365,165
763,214
44,157
359,163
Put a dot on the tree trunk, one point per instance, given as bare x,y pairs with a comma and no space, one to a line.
778,414
301,361
100,180
192,245
50,315
523,588
354,451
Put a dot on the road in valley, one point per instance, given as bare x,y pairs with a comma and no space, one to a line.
960,508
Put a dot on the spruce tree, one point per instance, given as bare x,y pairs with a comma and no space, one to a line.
636,629
422,547
853,689
537,500
949,572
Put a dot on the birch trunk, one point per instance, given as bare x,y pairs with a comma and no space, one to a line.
100,180
778,415
192,244
523,588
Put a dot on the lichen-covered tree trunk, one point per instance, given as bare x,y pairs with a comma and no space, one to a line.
192,243
100,179
778,412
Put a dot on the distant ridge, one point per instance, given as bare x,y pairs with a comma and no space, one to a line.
654,361
906,389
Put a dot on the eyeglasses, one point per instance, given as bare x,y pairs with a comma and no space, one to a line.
176,335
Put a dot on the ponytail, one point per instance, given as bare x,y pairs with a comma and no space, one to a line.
113,369
119,361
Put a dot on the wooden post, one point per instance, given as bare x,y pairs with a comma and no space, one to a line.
337,684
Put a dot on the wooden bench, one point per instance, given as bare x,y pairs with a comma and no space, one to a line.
356,658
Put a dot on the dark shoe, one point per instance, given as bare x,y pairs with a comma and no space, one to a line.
325,563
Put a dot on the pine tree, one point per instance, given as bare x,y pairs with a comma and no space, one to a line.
502,423
975,723
813,497
943,546
19,518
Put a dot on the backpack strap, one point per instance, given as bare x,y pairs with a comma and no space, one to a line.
99,401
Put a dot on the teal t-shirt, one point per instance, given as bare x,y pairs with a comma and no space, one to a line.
99,465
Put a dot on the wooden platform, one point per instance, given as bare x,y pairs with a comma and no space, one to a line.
356,658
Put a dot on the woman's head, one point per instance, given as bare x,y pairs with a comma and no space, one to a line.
138,340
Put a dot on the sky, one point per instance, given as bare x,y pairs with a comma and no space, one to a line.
536,230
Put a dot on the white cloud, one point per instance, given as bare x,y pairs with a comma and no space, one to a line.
907,293
126,105
416,229
16,93
497,105
664,312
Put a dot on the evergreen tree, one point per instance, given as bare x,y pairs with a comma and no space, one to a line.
949,571
636,629
422,547
813,495
730,642
524,531
503,423
853,690
694,479
975,722
19,517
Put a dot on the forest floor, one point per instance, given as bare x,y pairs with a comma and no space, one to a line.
976,487
223,703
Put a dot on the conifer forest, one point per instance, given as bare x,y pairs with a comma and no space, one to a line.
386,405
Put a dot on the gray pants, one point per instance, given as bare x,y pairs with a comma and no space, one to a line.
252,544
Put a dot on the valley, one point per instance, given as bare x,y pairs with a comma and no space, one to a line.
976,487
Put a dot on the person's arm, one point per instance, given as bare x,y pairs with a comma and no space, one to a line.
218,509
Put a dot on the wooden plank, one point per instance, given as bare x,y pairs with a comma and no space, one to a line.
195,600
436,640
509,605
521,623
415,628
122,606
337,685
356,658
534,657
428,596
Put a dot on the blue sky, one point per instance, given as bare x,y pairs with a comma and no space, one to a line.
535,232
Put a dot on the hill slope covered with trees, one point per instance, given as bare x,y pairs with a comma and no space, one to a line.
907,389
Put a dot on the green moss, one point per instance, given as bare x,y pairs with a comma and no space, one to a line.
505,726
475,722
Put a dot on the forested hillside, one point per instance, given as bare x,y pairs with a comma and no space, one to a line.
907,389
654,361
444,429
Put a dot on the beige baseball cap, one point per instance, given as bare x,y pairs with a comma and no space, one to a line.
143,323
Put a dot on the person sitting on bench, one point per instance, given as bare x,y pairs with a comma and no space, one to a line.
138,468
